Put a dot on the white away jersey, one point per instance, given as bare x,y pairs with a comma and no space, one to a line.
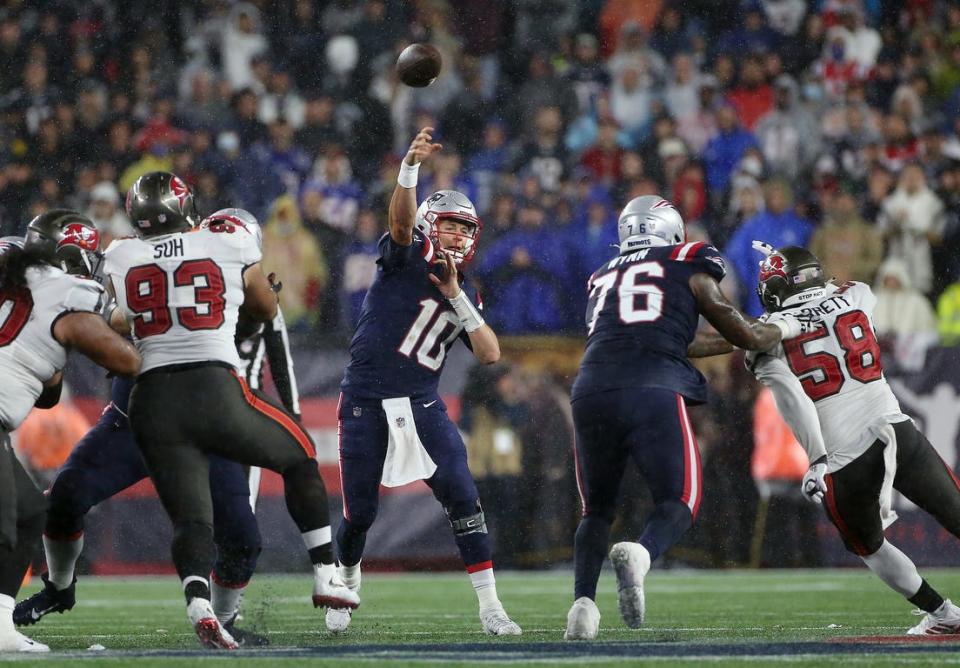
838,366
29,355
182,292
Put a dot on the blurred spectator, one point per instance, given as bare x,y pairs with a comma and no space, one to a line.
788,135
631,98
281,100
602,160
753,97
633,52
333,177
903,319
241,42
359,265
319,129
682,95
913,220
545,156
700,126
785,16
246,124
849,248
752,36
778,225
488,162
106,214
587,73
723,152
291,252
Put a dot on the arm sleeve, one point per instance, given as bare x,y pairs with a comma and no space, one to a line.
795,406
281,363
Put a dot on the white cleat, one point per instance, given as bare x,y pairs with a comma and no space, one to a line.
338,619
945,620
631,561
209,629
496,623
12,640
329,591
583,620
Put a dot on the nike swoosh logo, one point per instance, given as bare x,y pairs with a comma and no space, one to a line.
430,404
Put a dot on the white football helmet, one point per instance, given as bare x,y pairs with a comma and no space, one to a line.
240,218
6,243
649,221
454,206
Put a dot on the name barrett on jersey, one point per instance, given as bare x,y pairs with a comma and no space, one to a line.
406,326
641,317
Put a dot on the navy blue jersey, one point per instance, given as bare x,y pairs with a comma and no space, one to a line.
641,316
406,327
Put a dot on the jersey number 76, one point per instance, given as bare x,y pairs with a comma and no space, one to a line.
629,288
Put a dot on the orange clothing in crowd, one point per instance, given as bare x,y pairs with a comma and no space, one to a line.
47,436
776,453
618,12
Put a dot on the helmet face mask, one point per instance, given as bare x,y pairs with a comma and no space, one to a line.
786,274
648,221
160,203
450,206
67,239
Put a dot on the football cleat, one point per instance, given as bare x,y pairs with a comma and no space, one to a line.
945,620
209,630
496,623
631,561
583,620
49,599
338,619
329,590
244,638
12,640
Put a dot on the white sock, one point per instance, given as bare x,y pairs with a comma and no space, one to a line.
6,614
894,568
62,558
317,538
350,575
486,587
225,600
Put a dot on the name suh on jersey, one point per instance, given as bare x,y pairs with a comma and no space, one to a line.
641,317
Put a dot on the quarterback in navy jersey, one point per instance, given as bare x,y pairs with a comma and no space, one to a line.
393,425
630,397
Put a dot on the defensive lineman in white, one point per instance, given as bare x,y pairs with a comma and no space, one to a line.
830,389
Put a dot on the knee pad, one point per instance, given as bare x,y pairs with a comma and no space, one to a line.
467,518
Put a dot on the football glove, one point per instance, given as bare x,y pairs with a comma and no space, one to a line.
814,484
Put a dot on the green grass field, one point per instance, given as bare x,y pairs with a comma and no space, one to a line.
693,618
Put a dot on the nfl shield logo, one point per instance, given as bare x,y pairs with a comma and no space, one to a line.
357,411
401,422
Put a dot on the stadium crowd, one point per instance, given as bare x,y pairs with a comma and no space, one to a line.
832,124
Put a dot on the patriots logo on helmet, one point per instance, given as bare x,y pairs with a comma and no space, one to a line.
179,190
81,236
662,203
772,266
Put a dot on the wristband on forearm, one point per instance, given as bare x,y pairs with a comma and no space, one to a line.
407,177
783,327
468,314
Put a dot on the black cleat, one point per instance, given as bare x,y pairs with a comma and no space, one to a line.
47,600
243,637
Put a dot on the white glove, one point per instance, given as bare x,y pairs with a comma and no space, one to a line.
792,326
763,247
814,484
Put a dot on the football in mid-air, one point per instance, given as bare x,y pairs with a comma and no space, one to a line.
418,65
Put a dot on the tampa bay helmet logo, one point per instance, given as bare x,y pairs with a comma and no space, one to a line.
179,190
772,266
82,236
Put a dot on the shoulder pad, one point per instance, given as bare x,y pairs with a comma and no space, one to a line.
83,294
702,256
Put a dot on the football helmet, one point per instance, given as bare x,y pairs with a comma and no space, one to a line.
65,239
6,243
161,203
786,273
238,217
648,221
453,206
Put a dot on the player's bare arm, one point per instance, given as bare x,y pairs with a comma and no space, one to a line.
737,328
50,396
708,344
403,203
259,297
483,339
90,334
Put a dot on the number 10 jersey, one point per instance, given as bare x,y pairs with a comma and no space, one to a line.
405,329
183,292
641,316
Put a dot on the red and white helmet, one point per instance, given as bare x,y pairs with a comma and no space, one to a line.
239,218
452,206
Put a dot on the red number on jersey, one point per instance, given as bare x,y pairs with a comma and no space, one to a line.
146,290
210,294
861,356
21,305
